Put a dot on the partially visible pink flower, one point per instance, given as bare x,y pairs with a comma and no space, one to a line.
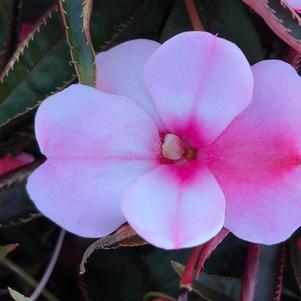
10,162
294,4
179,140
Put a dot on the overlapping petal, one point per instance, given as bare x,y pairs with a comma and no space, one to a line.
120,71
173,208
83,195
96,144
294,4
257,159
83,122
198,83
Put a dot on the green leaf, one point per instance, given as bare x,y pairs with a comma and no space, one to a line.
213,287
6,16
9,25
295,256
75,15
127,274
17,296
30,77
263,276
116,275
41,64
177,21
221,18
16,207
228,14
33,9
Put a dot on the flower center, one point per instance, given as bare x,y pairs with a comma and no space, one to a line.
173,148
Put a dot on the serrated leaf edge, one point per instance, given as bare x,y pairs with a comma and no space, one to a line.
24,44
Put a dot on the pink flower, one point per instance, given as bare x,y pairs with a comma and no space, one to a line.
179,140
294,4
10,162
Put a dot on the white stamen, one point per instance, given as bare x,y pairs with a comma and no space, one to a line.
173,147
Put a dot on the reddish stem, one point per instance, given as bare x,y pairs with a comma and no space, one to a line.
187,277
249,279
208,248
193,15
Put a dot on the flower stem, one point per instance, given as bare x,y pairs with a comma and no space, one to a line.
251,270
9,264
187,277
193,15
208,248
43,282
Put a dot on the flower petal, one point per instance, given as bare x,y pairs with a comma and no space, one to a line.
294,4
9,162
172,209
120,71
257,159
199,81
83,196
83,122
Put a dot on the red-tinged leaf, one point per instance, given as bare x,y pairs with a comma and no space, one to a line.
208,248
282,20
5,250
16,207
263,276
125,236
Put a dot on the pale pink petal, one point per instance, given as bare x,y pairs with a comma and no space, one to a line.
83,196
83,122
174,208
10,162
199,83
294,4
120,71
257,159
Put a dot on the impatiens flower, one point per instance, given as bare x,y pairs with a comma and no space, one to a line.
179,140
10,162
294,4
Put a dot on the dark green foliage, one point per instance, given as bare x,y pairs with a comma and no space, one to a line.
79,42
